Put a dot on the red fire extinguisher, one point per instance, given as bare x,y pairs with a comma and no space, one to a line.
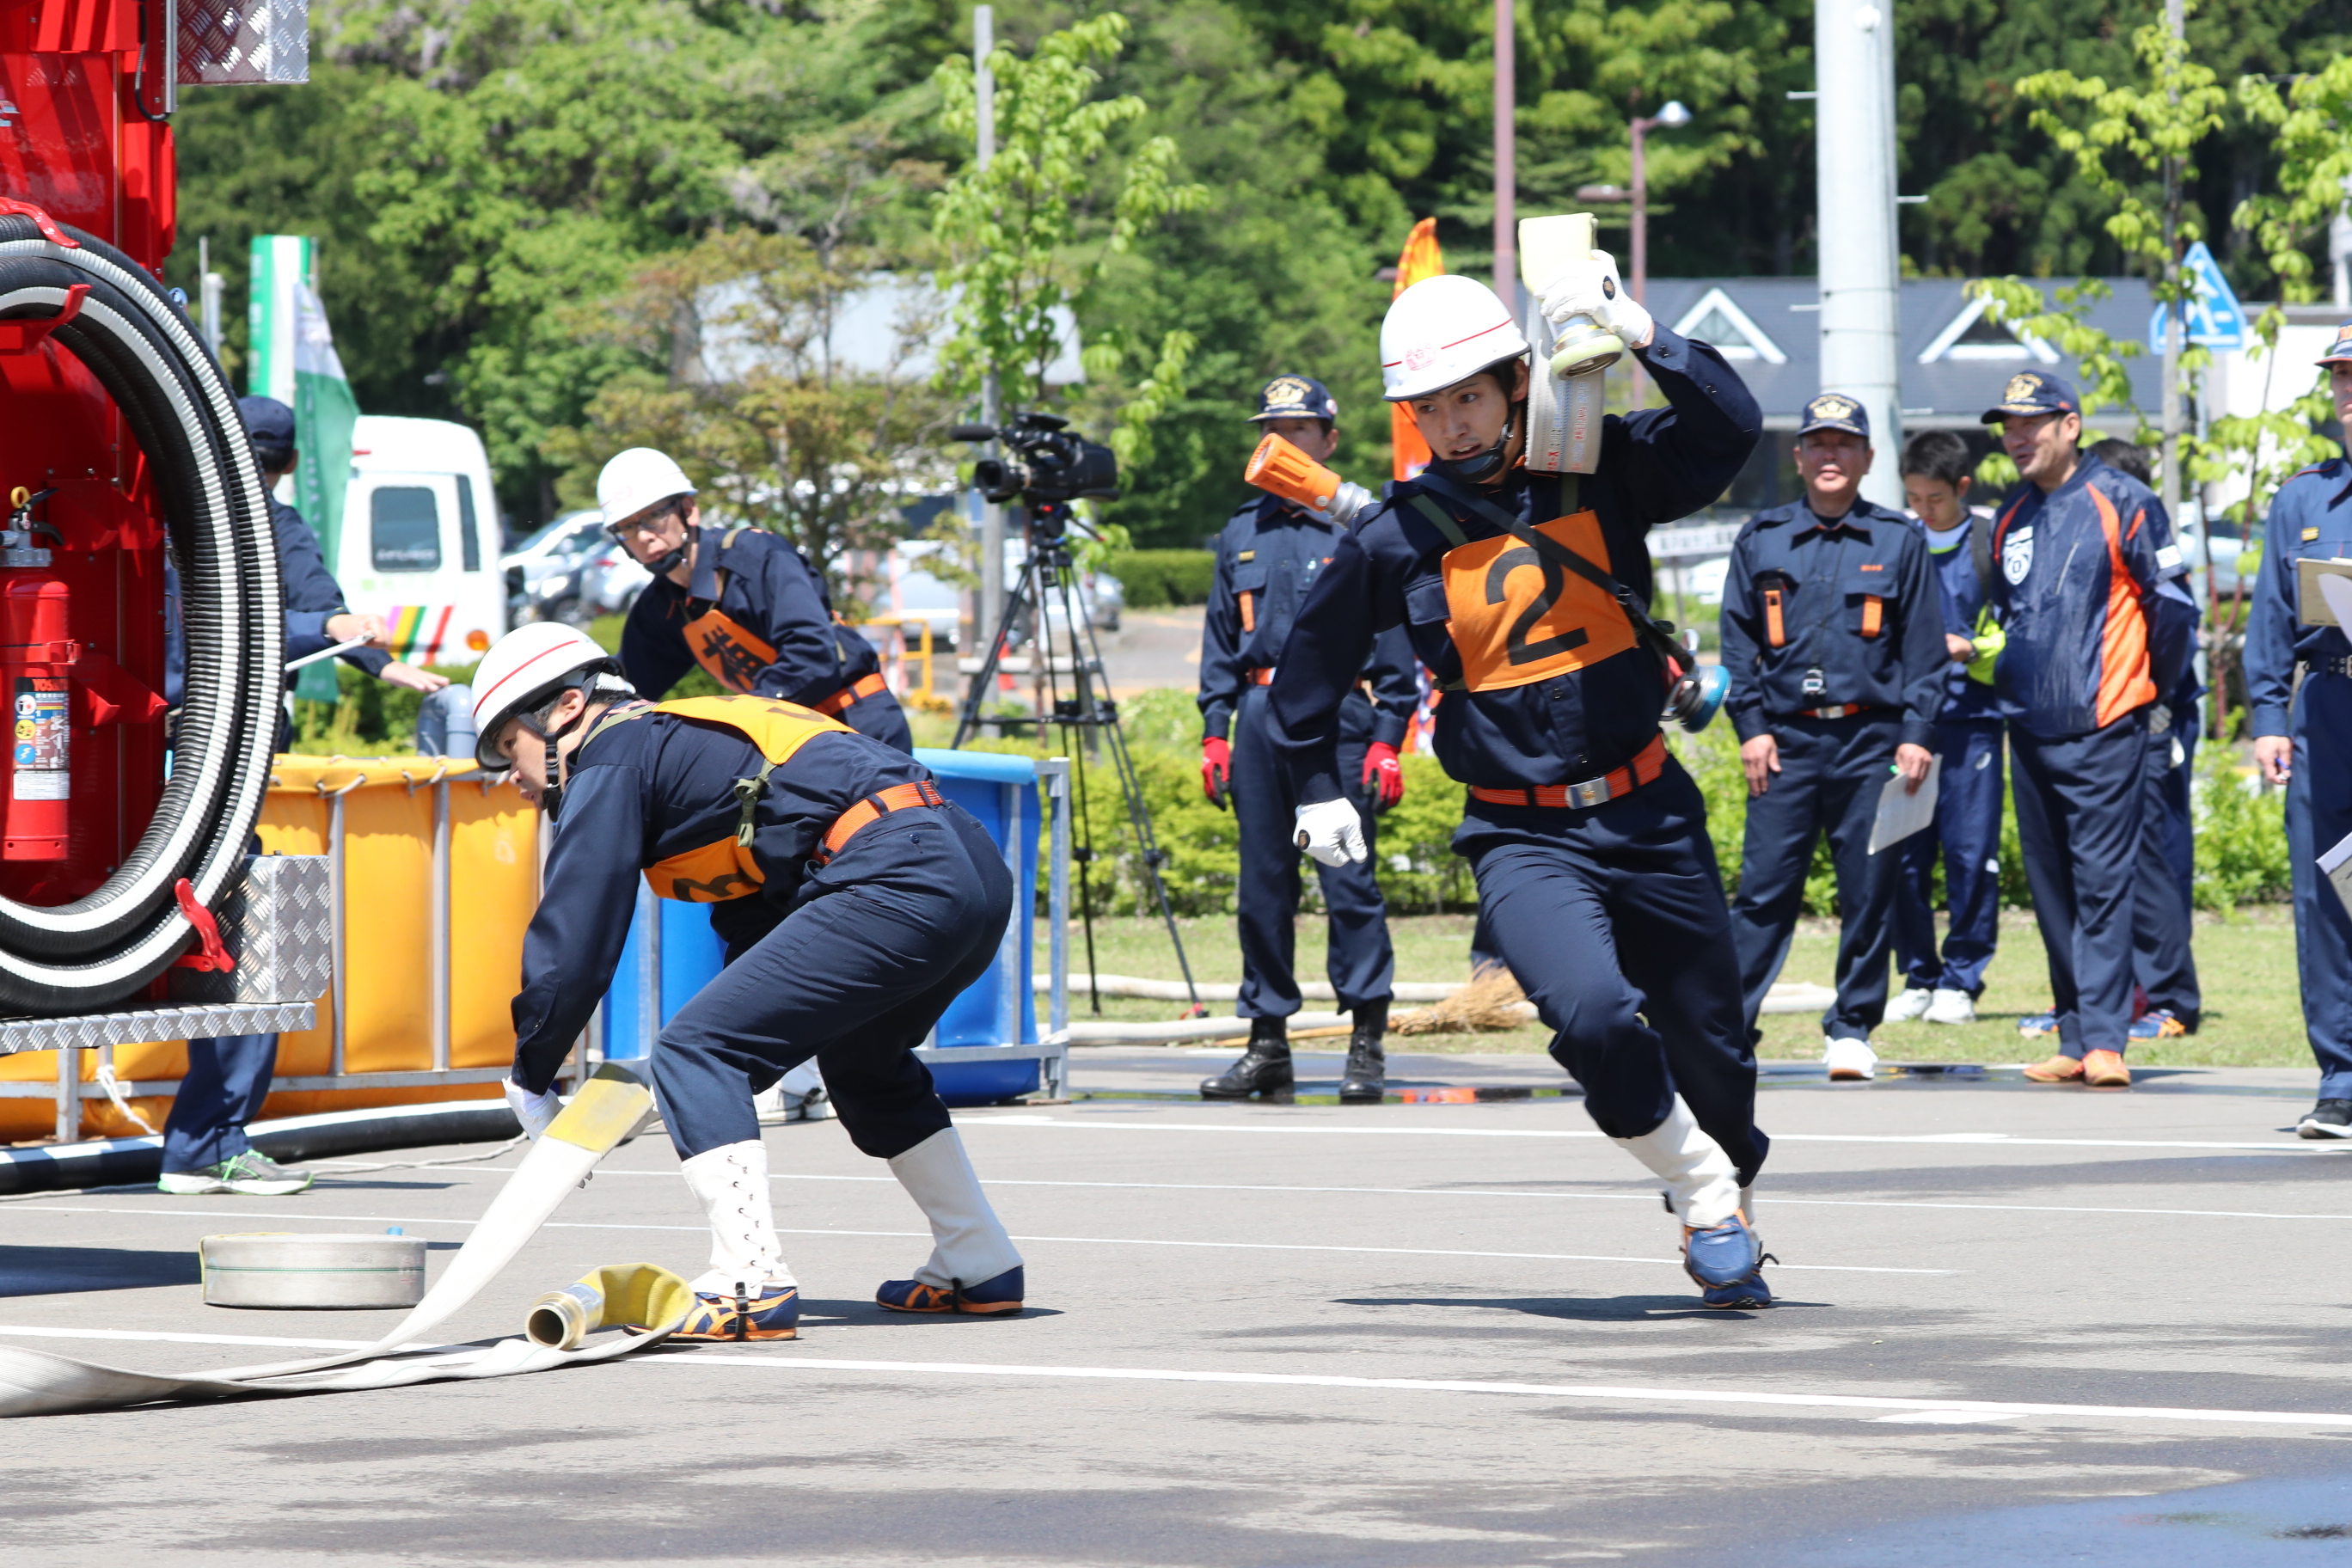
36,656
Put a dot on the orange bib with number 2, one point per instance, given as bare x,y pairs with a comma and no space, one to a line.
1517,618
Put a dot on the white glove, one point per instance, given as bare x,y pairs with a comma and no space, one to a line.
1592,288
1332,832
535,1111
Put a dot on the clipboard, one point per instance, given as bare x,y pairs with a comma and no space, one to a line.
2335,865
2311,605
1902,813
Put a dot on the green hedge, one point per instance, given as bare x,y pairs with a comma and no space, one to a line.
1154,578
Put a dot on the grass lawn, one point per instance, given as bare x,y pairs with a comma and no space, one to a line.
2253,1014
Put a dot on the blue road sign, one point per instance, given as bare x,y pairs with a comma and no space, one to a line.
2212,316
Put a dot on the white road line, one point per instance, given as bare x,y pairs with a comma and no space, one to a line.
1768,1197
2001,1140
1987,1409
923,1236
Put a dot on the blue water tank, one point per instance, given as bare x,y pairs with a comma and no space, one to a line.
655,977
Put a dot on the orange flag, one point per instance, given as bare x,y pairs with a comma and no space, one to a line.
1419,258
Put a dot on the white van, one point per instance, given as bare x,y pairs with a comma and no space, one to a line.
420,542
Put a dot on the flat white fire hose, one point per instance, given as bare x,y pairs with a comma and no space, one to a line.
609,1108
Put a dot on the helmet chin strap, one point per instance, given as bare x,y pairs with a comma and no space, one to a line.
551,798
1477,470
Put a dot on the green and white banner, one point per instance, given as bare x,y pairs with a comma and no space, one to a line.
294,362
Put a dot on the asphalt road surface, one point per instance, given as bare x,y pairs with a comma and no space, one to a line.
2016,1325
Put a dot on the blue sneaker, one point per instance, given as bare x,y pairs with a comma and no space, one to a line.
775,1314
1001,1294
2039,1027
2159,1023
1727,1261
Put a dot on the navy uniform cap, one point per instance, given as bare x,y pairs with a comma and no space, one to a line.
2032,392
267,420
1294,398
1835,411
2340,351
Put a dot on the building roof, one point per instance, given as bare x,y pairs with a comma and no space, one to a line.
1953,360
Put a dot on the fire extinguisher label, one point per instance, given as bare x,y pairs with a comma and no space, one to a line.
38,740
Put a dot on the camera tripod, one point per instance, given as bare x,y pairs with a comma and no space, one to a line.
1048,585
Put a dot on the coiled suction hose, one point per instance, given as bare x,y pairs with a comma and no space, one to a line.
140,346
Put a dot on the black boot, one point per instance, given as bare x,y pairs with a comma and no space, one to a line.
1368,1064
1264,1069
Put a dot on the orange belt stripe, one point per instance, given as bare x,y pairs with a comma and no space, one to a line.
897,797
831,707
1647,764
1843,710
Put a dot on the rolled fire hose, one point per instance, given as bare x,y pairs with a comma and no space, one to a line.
608,1108
140,347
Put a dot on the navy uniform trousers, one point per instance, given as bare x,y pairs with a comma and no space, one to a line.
1967,834
2080,801
1612,919
2164,889
1360,963
2318,815
1831,773
877,945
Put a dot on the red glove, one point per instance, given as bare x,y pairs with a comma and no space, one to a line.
1383,775
1216,770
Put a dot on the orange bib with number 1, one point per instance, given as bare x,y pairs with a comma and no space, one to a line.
1516,618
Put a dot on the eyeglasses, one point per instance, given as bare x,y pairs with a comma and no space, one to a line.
644,524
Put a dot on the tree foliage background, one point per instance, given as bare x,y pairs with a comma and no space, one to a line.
487,176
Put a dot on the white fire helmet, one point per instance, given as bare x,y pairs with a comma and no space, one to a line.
1440,331
635,479
527,661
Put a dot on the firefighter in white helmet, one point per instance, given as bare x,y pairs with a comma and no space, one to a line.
1526,595
854,901
741,602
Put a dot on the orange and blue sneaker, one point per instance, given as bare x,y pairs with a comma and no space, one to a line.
2039,1027
1727,1261
2159,1023
774,1314
1001,1294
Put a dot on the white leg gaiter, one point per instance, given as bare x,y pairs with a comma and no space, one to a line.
731,1181
969,1242
1699,1177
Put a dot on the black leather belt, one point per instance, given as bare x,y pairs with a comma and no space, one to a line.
2329,665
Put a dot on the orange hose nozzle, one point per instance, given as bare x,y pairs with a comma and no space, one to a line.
1282,469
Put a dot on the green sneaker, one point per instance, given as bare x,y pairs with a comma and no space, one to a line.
252,1174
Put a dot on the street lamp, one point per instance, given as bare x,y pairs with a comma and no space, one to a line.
1672,117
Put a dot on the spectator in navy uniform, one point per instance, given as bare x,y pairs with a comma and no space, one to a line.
1943,987
1833,633
2302,739
205,1150
1268,556
2083,549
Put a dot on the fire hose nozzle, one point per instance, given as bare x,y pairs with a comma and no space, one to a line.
1281,469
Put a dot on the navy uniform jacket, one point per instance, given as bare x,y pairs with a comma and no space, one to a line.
312,599
651,788
1600,707
1268,558
1965,596
2311,517
1857,600
2077,568
765,588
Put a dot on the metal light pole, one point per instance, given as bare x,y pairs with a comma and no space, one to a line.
1672,117
2175,22
1853,71
989,605
1507,173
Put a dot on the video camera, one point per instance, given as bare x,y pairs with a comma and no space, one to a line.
1053,468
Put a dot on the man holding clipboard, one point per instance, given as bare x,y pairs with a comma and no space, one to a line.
2303,736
